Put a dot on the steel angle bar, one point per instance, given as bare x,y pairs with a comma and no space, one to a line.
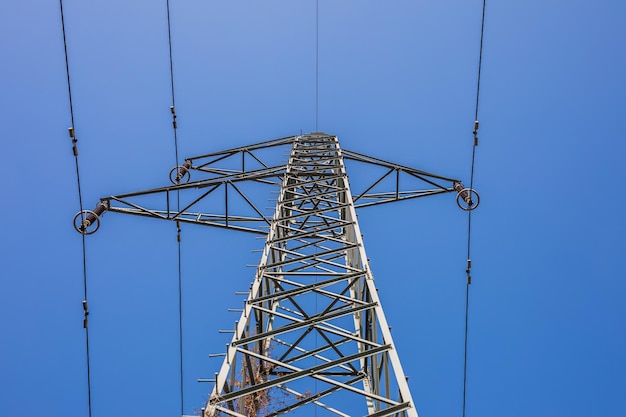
331,295
312,266
311,399
259,145
304,353
217,171
319,240
273,311
318,263
227,411
421,177
247,151
303,273
194,202
309,372
297,250
218,158
395,409
250,203
144,211
354,200
262,175
305,323
327,263
341,332
311,256
303,233
355,156
405,194
252,175
307,197
307,213
305,180
303,288
324,160
198,218
316,243
348,368
393,199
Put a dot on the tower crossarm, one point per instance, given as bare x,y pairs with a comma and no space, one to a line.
394,182
230,188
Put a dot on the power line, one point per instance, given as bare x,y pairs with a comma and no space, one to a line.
173,107
178,229
317,37
72,134
469,212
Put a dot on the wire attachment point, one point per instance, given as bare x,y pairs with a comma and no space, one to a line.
70,131
173,111
85,219
467,198
86,310
182,173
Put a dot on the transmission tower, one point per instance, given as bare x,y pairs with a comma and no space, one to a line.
312,339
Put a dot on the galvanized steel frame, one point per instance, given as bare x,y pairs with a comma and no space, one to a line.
313,333
222,184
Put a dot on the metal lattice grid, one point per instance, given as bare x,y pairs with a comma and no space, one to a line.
312,338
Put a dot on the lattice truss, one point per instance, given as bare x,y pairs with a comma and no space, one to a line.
312,338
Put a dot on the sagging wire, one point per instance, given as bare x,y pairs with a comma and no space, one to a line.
469,212
72,134
178,228
317,43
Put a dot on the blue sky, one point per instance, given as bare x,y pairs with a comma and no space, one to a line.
397,80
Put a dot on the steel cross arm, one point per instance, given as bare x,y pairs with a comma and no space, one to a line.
383,198
381,162
259,145
270,174
212,220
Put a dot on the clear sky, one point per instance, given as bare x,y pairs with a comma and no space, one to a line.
397,80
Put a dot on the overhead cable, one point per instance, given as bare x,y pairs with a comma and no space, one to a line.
72,134
178,229
469,212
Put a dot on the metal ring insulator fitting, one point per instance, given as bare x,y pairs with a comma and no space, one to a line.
467,199
83,220
180,174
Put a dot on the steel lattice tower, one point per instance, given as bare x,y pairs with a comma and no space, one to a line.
312,339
